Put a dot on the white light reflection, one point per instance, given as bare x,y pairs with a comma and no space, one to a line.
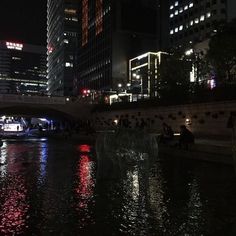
158,203
43,159
3,158
135,201
135,185
194,222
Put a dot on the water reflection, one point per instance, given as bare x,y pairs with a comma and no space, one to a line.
158,199
135,201
48,188
85,184
13,197
194,222
43,148
3,158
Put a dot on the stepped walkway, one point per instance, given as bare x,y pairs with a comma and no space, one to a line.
205,149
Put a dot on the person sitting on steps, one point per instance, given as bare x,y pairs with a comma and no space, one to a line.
186,137
167,134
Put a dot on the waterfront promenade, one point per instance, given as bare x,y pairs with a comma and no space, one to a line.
204,149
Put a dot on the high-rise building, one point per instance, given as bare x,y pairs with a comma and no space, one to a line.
62,38
163,38
110,33
22,68
193,21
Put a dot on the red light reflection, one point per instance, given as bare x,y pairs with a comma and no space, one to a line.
14,205
14,209
86,181
84,148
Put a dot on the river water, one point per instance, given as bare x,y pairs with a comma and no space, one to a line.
51,188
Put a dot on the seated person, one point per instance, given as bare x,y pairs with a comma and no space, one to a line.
167,133
186,137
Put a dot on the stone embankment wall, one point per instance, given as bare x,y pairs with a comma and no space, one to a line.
203,119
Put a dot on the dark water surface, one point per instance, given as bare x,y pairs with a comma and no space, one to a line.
50,188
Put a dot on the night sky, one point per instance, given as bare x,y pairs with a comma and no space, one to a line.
23,21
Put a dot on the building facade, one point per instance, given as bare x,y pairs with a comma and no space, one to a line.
62,39
193,21
22,68
144,73
110,33
153,72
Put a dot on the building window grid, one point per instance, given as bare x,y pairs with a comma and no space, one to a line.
180,9
196,20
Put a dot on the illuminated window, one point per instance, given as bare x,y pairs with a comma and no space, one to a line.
70,11
176,3
172,32
196,21
176,30
176,12
68,64
186,7
190,5
50,49
181,27
171,7
181,10
208,15
16,58
202,18
171,15
74,19
191,22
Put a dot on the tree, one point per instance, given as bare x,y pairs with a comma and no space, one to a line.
222,53
174,78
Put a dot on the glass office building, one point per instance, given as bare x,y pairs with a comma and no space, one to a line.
110,33
22,68
62,38
193,21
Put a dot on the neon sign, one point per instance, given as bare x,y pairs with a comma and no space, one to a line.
16,46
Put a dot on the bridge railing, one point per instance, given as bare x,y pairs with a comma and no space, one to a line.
31,99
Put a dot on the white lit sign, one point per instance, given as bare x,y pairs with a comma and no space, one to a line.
16,46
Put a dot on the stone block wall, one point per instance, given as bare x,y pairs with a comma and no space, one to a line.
203,119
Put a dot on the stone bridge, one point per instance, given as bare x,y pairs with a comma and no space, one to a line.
44,106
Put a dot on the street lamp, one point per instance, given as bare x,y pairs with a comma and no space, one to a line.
139,77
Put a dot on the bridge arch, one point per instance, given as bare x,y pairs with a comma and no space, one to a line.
43,106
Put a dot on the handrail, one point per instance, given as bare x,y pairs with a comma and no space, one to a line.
11,98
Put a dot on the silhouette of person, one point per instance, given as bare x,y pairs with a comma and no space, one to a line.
186,137
167,133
